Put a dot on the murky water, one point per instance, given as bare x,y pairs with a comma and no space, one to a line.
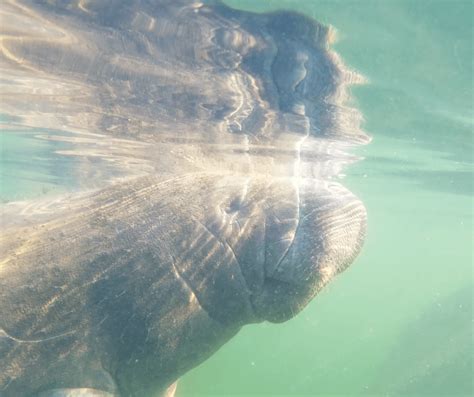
399,321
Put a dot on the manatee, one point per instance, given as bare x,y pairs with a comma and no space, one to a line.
207,144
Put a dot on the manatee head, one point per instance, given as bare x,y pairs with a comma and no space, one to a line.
324,238
263,246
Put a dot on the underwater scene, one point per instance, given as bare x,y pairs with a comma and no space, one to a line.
239,198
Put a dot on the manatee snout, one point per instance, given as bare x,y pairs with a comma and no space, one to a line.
326,237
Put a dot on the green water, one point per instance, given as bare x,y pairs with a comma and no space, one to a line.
399,321
29,167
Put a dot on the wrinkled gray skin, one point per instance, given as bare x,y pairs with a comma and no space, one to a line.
208,138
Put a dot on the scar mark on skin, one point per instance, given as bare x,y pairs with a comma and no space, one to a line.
4,334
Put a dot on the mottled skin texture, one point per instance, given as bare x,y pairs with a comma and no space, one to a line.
225,213
120,292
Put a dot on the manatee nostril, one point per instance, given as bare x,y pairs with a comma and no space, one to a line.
234,205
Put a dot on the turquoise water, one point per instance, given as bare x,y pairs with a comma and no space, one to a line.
29,166
399,321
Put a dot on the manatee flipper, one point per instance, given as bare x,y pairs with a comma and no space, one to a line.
171,390
87,392
82,392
